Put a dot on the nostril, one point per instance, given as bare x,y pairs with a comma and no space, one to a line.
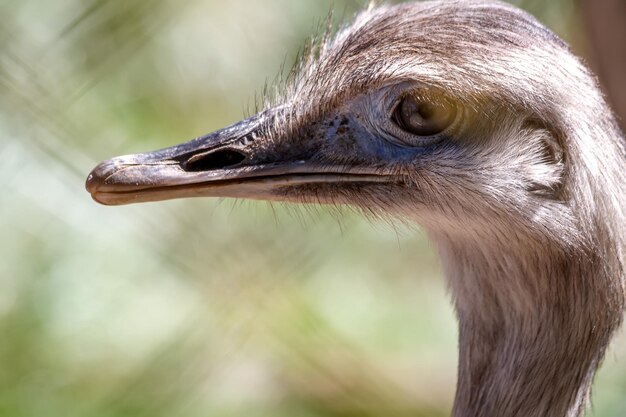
214,160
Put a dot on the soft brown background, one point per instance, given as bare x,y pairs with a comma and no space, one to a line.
206,307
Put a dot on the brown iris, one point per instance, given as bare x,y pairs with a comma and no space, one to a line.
422,117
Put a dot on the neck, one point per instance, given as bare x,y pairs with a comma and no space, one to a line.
533,329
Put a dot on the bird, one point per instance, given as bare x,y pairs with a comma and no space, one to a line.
473,120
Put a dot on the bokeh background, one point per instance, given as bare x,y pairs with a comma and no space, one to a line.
205,307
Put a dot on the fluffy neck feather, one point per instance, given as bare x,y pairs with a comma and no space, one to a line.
534,326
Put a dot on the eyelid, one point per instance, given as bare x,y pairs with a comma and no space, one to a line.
391,110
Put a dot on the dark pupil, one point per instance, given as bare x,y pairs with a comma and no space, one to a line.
423,118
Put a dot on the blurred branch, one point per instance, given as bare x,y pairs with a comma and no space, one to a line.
606,25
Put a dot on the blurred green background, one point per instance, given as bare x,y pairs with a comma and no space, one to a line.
204,307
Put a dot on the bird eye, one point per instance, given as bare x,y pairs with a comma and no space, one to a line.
423,117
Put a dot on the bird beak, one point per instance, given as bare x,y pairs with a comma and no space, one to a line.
239,161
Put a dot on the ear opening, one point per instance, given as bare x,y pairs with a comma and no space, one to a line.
552,153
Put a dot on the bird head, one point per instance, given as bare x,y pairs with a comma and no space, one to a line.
455,114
